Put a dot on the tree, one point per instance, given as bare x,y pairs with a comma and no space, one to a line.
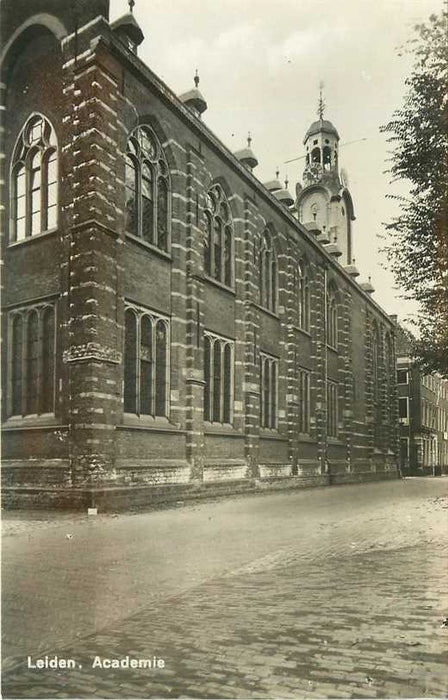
417,249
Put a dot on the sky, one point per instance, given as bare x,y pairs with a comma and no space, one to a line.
260,63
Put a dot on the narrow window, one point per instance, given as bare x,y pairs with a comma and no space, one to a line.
48,354
130,363
218,377
147,189
304,401
161,366
34,180
332,409
268,273
146,364
32,361
162,214
303,293
131,197
17,365
218,246
268,391
147,204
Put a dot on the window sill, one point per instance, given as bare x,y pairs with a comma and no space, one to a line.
149,246
217,283
30,239
303,331
221,429
334,441
158,423
304,437
274,314
271,434
44,420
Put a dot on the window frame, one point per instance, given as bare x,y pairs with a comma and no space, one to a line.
26,149
140,158
226,391
332,312
303,297
332,409
24,314
140,316
268,273
304,425
268,414
219,240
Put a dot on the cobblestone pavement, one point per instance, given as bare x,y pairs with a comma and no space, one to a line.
341,621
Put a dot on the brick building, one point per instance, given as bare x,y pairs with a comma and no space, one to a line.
423,415
172,325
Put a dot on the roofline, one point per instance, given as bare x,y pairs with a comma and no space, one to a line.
137,65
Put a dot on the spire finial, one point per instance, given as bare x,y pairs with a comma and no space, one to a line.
286,182
131,4
321,105
277,173
249,139
196,78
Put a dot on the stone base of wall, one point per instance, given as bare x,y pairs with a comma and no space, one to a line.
222,480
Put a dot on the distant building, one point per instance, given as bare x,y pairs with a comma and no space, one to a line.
422,415
172,325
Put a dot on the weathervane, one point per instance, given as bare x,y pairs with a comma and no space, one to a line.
321,104
131,4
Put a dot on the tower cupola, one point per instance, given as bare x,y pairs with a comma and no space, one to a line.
321,148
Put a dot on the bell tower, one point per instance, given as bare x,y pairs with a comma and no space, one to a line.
324,203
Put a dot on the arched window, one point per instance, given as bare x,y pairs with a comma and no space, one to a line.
34,180
327,157
332,317
268,390
303,297
268,273
146,363
32,361
218,377
218,252
315,155
147,189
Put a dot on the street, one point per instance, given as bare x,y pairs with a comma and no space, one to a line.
331,592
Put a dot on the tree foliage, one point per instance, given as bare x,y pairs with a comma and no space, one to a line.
417,249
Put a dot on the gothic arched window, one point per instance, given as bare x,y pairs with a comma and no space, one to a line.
332,317
34,180
303,294
147,189
218,253
146,363
32,361
218,376
268,273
